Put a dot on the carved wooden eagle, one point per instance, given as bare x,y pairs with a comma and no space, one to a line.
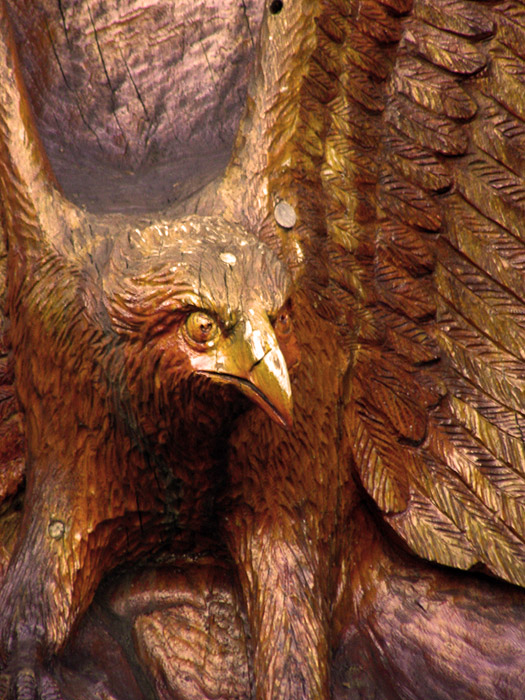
390,134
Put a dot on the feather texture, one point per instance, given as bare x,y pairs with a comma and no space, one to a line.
407,142
395,132
451,94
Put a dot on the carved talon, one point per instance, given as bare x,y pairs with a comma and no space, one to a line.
4,686
49,689
28,683
26,686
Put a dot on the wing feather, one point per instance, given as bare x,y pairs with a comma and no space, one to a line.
432,89
404,148
456,16
32,215
511,26
382,475
473,449
12,440
445,49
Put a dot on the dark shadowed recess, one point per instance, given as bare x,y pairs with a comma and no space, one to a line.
137,101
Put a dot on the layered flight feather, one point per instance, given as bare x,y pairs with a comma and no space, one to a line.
398,140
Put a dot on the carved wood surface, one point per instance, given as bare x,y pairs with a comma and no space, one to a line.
390,134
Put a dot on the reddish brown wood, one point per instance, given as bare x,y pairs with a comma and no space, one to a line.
355,209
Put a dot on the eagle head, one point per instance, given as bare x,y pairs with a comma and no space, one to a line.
200,302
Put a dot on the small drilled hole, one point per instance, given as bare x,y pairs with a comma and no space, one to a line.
276,6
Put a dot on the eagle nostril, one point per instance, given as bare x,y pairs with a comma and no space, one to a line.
258,362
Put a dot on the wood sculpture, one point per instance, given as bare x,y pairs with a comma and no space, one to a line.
379,158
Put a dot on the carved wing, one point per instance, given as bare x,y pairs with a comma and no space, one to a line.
12,458
12,455
396,133
29,200
449,271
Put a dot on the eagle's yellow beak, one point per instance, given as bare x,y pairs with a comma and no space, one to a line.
251,360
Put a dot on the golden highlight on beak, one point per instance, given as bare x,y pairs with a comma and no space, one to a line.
268,385
253,362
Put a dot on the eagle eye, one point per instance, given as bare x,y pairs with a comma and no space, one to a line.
201,328
283,323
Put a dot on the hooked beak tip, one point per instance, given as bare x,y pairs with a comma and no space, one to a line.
267,385
272,390
262,377
285,420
